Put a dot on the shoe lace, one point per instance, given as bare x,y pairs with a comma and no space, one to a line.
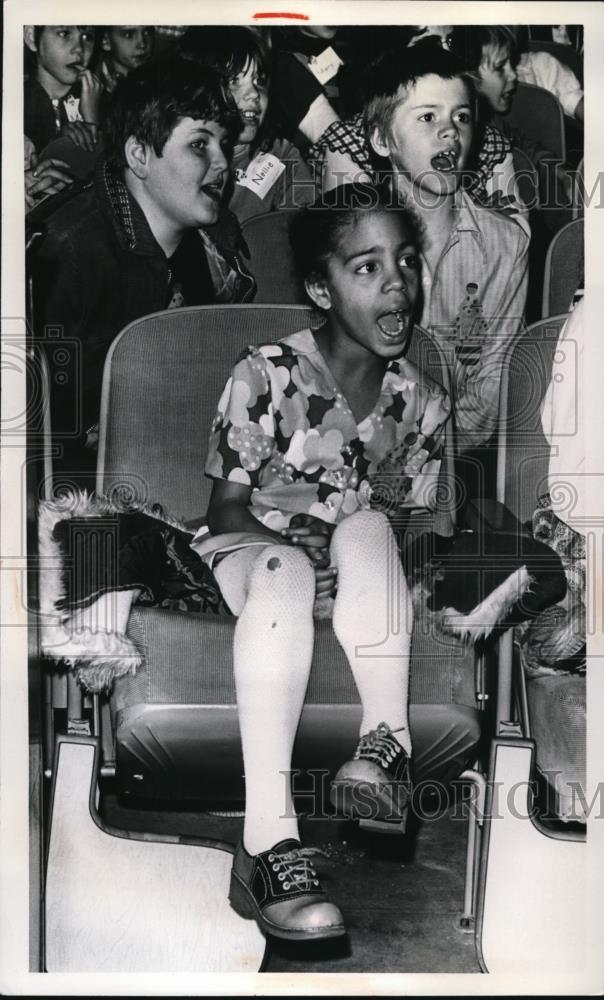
294,868
379,745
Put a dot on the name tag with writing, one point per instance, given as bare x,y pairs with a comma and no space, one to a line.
72,109
261,174
325,65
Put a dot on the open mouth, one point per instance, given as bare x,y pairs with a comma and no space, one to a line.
249,117
213,191
78,67
394,324
445,161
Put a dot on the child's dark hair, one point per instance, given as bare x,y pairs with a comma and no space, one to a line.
469,41
31,58
392,75
229,51
150,101
316,231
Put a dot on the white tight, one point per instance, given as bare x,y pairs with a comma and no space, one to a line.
274,588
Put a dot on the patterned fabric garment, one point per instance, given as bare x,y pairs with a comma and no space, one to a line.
555,642
343,137
284,428
492,151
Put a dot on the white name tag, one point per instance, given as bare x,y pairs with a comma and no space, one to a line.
72,109
261,174
325,65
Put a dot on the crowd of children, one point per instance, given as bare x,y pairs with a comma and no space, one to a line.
393,146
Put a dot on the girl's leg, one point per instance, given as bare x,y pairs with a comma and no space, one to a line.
272,658
272,881
373,619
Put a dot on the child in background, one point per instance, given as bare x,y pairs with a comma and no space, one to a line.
125,46
305,431
420,117
489,177
490,56
62,96
306,73
268,172
316,47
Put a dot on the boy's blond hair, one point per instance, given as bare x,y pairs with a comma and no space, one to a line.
394,74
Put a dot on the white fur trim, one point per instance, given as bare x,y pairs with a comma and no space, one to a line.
480,622
99,656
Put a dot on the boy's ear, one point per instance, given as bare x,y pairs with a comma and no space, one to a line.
137,156
377,143
317,291
105,42
29,37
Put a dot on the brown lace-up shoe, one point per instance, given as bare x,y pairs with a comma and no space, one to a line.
375,786
279,889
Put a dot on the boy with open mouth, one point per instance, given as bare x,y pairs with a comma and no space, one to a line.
419,119
134,242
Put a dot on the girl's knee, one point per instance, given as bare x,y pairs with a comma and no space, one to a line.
283,566
365,527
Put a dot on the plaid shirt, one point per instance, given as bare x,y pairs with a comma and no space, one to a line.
474,305
347,138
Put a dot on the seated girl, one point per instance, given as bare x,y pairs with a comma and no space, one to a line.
268,172
305,432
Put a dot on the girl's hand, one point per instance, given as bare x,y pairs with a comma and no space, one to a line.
81,134
311,533
326,581
314,536
90,97
48,177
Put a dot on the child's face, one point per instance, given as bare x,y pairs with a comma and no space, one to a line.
64,51
372,284
249,90
497,78
130,45
185,184
430,134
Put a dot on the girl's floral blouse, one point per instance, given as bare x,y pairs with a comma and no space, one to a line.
284,428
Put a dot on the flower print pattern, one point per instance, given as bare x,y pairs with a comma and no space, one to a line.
284,429
323,449
251,444
284,470
292,414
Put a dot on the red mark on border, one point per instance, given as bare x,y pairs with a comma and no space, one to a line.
292,17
